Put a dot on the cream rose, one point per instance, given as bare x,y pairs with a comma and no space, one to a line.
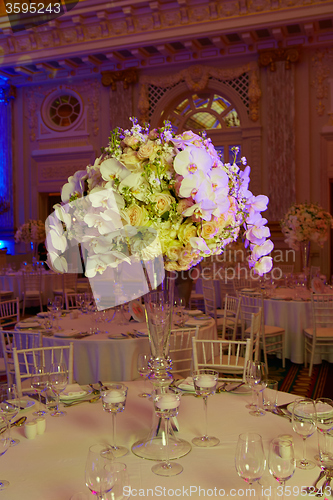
138,216
162,202
208,230
187,231
131,161
132,141
173,249
146,150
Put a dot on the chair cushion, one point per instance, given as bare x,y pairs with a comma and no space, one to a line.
32,293
269,330
326,333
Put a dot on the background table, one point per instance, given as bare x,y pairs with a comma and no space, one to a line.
51,467
14,282
99,358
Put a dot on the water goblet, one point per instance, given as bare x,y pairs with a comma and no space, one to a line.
205,382
58,379
144,371
4,445
39,382
304,424
97,477
281,461
166,407
121,489
114,400
324,421
257,374
249,458
57,308
9,407
248,380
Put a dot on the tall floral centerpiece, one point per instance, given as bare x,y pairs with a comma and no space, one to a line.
154,193
304,223
31,232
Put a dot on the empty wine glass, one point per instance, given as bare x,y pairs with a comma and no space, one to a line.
179,309
57,308
248,380
39,382
166,406
58,379
144,370
98,478
281,461
9,406
324,414
257,374
121,489
249,458
205,382
304,424
4,445
114,400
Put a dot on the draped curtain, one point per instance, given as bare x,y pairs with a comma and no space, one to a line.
281,139
6,168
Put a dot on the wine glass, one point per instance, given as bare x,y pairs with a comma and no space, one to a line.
121,489
281,460
256,376
248,380
9,407
39,382
249,458
324,414
304,424
58,381
98,478
179,309
114,400
4,445
166,407
57,308
144,371
205,382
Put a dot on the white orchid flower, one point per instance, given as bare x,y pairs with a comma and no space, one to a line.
112,169
57,262
199,244
96,264
136,183
264,265
61,212
259,251
258,203
75,185
204,209
102,222
192,160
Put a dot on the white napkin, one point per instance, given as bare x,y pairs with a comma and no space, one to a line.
73,391
66,333
187,384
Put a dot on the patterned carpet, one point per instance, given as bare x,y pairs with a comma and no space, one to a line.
295,378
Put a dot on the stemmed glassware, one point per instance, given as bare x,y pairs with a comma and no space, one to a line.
179,309
166,407
121,489
256,377
58,379
57,308
205,382
39,382
4,445
114,400
9,407
249,380
98,478
144,370
324,414
304,424
281,461
249,458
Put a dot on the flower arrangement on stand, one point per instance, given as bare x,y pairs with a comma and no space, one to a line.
31,232
303,224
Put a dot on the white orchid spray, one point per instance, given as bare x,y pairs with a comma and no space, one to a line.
153,192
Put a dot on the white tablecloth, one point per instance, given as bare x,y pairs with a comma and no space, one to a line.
51,467
14,282
99,358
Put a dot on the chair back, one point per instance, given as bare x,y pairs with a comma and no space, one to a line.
208,291
70,281
70,300
32,281
228,357
25,359
180,350
27,340
9,312
322,311
250,304
226,288
231,316
6,345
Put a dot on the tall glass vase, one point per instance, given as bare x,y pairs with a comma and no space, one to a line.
159,306
34,248
305,255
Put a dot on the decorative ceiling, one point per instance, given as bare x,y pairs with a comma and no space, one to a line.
96,36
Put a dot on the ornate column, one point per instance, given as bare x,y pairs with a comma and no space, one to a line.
121,100
6,168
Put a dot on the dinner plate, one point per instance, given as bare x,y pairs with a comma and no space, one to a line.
282,297
81,392
322,409
67,333
43,314
193,312
27,324
118,337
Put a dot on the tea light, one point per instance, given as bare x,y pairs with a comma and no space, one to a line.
114,397
206,381
41,425
167,402
30,429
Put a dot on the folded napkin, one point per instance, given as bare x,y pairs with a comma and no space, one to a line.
186,384
28,324
73,391
66,333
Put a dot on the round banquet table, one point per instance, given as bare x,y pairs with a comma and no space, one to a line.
98,357
51,467
14,282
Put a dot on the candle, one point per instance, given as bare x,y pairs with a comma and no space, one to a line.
167,402
30,429
206,381
41,425
114,397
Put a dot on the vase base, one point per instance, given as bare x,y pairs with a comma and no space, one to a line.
154,449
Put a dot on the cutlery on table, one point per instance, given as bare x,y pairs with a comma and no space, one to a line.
234,388
314,489
72,403
17,423
94,391
103,387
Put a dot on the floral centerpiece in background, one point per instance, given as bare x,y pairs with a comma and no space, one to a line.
175,186
304,223
32,231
